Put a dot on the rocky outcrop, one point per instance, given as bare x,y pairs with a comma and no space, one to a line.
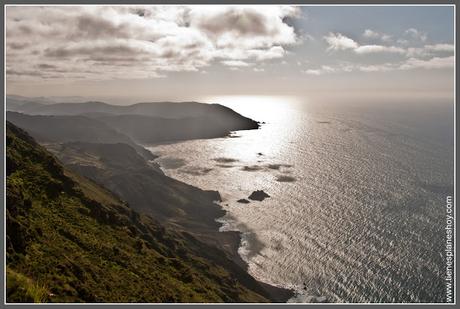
258,195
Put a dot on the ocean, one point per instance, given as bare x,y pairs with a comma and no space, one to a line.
357,206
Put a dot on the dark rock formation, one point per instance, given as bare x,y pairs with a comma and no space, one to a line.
258,195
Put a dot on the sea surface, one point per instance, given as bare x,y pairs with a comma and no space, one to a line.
357,206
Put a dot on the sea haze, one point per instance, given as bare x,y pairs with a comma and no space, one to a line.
356,211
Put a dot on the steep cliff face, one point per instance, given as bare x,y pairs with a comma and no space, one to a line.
176,204
70,240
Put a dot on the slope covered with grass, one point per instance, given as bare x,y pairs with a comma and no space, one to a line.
70,240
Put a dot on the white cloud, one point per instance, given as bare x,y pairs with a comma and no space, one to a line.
385,37
313,72
338,41
323,70
307,37
429,50
433,63
416,34
410,64
402,41
106,42
367,49
407,64
377,67
370,34
440,47
236,63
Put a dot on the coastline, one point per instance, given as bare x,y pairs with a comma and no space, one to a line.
277,294
230,242
229,134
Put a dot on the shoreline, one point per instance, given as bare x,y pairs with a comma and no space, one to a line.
230,242
229,134
277,294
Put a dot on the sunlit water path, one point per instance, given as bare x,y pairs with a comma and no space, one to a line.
357,195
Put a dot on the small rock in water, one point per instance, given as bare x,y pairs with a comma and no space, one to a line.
243,201
260,154
251,168
258,195
285,178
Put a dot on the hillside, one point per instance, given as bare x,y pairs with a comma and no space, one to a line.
120,169
205,119
70,240
150,130
157,109
51,129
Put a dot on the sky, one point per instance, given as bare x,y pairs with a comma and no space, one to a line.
176,53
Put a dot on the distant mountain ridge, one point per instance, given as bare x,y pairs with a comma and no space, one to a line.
56,129
149,123
156,109
150,130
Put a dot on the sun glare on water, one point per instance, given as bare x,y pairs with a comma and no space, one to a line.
278,113
257,107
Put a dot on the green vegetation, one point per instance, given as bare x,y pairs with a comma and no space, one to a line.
23,289
69,240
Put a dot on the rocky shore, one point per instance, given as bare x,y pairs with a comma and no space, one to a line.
277,294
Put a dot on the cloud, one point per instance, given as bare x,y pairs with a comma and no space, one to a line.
147,39
412,63
370,34
407,64
429,50
433,63
337,41
416,34
385,67
367,49
305,37
324,69
402,41
313,72
340,42
441,47
236,63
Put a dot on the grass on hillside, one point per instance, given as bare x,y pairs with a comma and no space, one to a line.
69,240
